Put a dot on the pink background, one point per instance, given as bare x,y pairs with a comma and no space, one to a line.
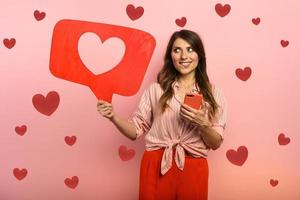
259,109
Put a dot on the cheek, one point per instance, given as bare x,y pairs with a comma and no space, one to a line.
174,58
195,57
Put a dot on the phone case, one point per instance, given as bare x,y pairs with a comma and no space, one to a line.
193,100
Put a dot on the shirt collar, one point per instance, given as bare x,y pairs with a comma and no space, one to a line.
176,87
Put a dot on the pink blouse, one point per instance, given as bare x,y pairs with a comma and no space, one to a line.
169,130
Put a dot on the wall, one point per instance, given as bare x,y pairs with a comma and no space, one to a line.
255,63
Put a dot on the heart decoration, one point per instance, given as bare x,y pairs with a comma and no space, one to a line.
221,10
181,22
134,13
283,140
284,43
273,182
126,154
70,140
20,173
256,21
21,130
39,15
46,105
243,74
237,157
72,182
9,43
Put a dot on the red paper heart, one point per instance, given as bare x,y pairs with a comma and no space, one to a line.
72,183
39,15
243,74
21,130
20,173
46,105
222,10
273,182
181,22
70,140
134,13
126,154
283,140
9,43
284,43
237,157
256,21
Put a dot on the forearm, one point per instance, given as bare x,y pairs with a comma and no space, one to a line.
125,127
211,137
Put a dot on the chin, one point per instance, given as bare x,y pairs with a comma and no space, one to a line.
185,71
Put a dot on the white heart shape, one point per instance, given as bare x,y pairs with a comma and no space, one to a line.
100,57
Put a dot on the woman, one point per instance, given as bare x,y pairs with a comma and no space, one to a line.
178,137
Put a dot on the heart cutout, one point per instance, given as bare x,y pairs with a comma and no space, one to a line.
283,140
46,105
21,130
284,43
126,154
72,182
20,173
70,140
243,74
9,43
100,57
256,21
39,15
134,13
273,182
221,10
237,157
181,22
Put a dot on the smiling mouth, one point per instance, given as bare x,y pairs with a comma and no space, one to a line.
185,64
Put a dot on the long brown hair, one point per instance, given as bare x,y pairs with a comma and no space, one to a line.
169,74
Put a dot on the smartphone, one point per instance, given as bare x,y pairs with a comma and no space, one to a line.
193,100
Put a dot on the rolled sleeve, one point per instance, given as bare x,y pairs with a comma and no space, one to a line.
142,117
219,123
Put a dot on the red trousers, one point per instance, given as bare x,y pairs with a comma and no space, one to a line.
189,184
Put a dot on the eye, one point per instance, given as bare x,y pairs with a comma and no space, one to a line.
190,49
176,50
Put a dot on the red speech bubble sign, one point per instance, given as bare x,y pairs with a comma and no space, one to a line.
124,79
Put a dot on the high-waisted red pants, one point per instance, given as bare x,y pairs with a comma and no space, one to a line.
189,184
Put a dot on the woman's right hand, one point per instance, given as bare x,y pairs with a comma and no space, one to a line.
105,109
125,127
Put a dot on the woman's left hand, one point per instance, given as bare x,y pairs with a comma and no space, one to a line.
196,117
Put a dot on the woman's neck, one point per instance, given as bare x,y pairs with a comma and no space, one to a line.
187,80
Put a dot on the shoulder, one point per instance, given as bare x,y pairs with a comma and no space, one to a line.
154,88
218,95
153,92
217,91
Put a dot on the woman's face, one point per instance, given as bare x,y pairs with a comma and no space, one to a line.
184,58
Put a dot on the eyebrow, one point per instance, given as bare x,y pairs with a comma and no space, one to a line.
180,47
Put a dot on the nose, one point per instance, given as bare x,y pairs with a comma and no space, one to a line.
183,55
